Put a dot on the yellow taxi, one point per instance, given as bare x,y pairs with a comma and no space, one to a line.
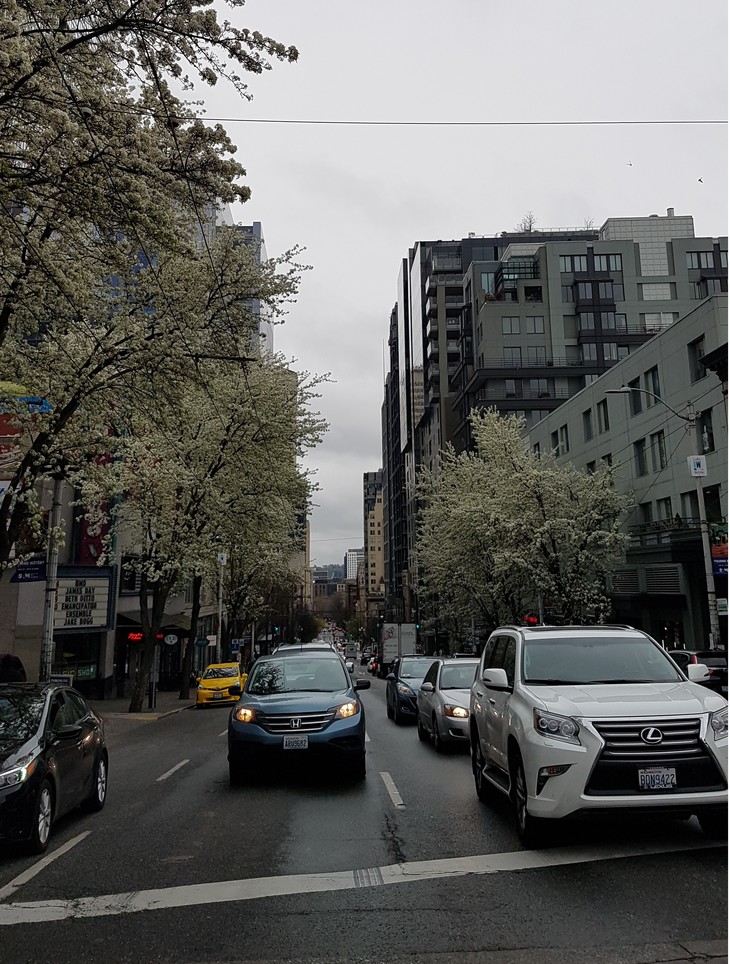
213,684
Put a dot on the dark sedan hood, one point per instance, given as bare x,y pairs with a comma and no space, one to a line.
13,750
301,702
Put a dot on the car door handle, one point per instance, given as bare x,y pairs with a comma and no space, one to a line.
492,702
479,693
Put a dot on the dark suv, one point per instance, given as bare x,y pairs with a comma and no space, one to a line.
714,659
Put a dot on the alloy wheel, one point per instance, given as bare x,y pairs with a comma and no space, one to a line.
45,811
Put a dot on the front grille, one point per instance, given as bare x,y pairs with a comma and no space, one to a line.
680,740
617,769
282,722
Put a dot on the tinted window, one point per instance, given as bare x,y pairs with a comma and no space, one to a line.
431,674
604,659
508,663
498,652
76,707
20,715
414,668
294,674
221,672
458,677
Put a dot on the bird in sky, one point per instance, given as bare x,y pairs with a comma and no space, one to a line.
629,164
700,180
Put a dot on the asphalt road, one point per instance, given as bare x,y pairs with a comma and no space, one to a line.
407,866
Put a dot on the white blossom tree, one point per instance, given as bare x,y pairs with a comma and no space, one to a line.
502,526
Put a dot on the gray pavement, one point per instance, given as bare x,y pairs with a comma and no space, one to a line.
166,704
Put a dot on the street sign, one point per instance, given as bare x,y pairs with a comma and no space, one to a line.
697,466
170,640
201,641
235,645
722,607
33,570
67,679
222,558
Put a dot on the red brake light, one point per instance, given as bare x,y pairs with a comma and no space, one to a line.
694,659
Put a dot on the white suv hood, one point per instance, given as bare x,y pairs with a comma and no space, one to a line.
626,699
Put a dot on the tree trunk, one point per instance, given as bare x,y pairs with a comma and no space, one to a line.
151,625
190,646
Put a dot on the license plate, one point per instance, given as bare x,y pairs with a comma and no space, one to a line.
658,778
217,696
296,742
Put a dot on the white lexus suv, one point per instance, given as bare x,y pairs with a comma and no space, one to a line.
568,720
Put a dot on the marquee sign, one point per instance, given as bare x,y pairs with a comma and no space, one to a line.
82,602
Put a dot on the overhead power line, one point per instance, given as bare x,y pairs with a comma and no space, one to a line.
434,123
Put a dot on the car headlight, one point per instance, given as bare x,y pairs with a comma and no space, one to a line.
458,711
347,710
244,714
718,722
405,690
19,773
556,727
201,688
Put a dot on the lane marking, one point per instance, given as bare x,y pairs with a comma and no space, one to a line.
255,888
392,790
223,733
9,889
367,738
172,770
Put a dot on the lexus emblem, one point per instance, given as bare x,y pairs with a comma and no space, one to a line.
295,723
651,734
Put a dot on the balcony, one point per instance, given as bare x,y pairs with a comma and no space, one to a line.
431,307
497,393
432,328
664,532
557,362
433,350
453,347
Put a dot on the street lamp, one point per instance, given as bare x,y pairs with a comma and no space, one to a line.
698,470
222,560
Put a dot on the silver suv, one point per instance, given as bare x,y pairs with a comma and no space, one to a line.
567,720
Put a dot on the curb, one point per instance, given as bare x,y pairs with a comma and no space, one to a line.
178,709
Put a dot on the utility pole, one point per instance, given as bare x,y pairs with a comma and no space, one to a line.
49,604
222,560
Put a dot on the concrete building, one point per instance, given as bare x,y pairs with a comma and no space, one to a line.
662,587
373,572
353,558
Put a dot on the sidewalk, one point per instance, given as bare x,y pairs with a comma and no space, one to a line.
167,703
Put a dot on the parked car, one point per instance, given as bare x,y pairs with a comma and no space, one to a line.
574,720
350,665
443,703
714,659
214,684
402,684
300,707
53,758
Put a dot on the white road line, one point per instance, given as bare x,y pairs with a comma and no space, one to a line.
393,791
367,738
9,889
223,733
218,892
172,770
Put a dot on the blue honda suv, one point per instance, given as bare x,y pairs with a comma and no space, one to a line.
297,707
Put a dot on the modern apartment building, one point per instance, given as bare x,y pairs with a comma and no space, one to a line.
353,558
521,322
644,434
373,586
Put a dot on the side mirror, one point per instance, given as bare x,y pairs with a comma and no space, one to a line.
362,684
390,676
427,687
697,672
495,679
68,732
235,690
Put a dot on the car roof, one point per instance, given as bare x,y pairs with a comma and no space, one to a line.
230,662
461,661
38,689
303,651
553,632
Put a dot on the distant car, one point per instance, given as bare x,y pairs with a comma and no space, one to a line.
299,708
443,702
350,665
53,758
402,685
714,659
215,682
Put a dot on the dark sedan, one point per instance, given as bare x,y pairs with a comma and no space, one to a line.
52,758
298,708
403,683
714,659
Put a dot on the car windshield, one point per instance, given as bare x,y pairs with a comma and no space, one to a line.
298,674
220,672
595,659
20,715
459,677
415,668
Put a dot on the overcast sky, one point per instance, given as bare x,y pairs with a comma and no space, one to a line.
358,197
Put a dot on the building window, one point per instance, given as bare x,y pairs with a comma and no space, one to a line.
590,468
608,320
658,291
690,505
664,508
640,465
723,258
713,286
615,262
610,351
510,326
566,293
605,290
600,262
589,352
602,411
700,259
554,441
646,512
623,351
706,437
580,262
607,459
620,321
512,357
537,415
585,292
488,282
587,425
510,388
539,388
535,325
658,451
564,440
536,355
695,351
635,406
586,321
651,384
533,294
536,449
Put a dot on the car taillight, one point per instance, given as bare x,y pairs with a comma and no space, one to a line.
694,659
